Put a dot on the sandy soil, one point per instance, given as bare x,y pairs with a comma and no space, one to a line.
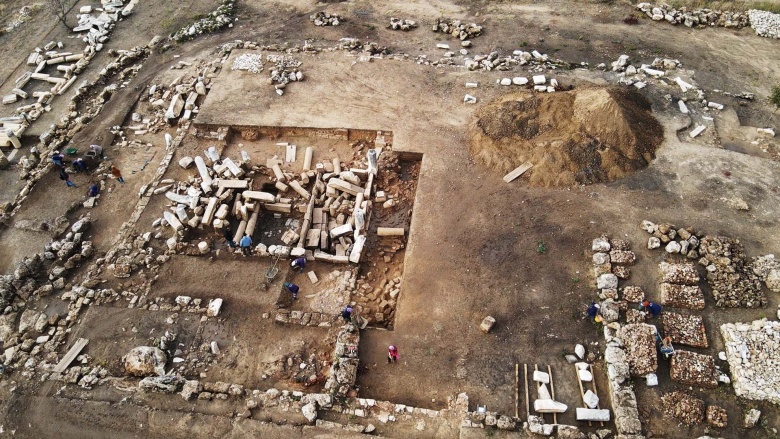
473,247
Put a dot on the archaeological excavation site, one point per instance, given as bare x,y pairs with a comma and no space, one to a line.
340,219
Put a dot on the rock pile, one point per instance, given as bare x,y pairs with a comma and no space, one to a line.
697,18
639,342
753,351
632,294
221,17
766,24
401,24
343,372
378,303
457,29
610,263
326,19
694,369
717,417
729,274
684,407
675,241
622,396
144,361
686,330
286,69
252,62
768,270
679,286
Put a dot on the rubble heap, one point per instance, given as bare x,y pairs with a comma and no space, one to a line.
681,241
766,24
457,29
639,342
768,270
621,394
215,21
730,276
694,369
252,62
699,18
325,19
753,351
401,24
633,293
343,372
684,407
355,45
686,330
682,296
717,417
286,69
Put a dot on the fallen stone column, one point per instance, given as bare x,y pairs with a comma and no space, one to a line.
278,207
344,186
336,166
299,189
278,172
240,231
208,214
252,223
307,158
173,221
187,200
263,197
232,184
390,231
203,170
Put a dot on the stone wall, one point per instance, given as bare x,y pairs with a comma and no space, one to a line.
621,391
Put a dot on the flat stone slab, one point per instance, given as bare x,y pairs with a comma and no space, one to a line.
584,414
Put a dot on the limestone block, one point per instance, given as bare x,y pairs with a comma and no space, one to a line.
591,399
487,324
584,414
541,377
549,406
214,306
607,280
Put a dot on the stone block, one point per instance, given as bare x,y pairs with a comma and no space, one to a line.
487,324
600,415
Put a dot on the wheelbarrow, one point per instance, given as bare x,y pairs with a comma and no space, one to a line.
271,273
71,152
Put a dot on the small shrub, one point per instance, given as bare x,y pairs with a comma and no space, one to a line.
775,96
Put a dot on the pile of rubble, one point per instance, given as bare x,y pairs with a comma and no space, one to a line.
285,70
679,286
457,29
729,274
768,270
355,45
675,241
325,19
252,62
401,24
639,342
694,369
753,351
766,24
684,407
223,16
343,372
717,417
695,18
378,304
686,330
622,395
632,294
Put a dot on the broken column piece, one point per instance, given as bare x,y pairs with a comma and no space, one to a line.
307,158
390,231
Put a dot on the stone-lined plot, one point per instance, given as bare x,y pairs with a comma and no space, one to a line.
753,351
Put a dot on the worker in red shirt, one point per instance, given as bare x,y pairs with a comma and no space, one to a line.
392,354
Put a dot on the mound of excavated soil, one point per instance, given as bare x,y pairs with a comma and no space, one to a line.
587,135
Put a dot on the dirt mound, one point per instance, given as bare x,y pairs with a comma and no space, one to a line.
587,135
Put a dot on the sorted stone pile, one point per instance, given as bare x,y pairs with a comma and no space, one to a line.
632,294
610,263
378,304
221,17
493,61
639,342
286,69
251,62
343,372
717,417
753,352
355,45
675,241
681,274
682,296
401,24
686,330
699,18
694,369
765,23
768,270
684,407
325,19
457,29
729,274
